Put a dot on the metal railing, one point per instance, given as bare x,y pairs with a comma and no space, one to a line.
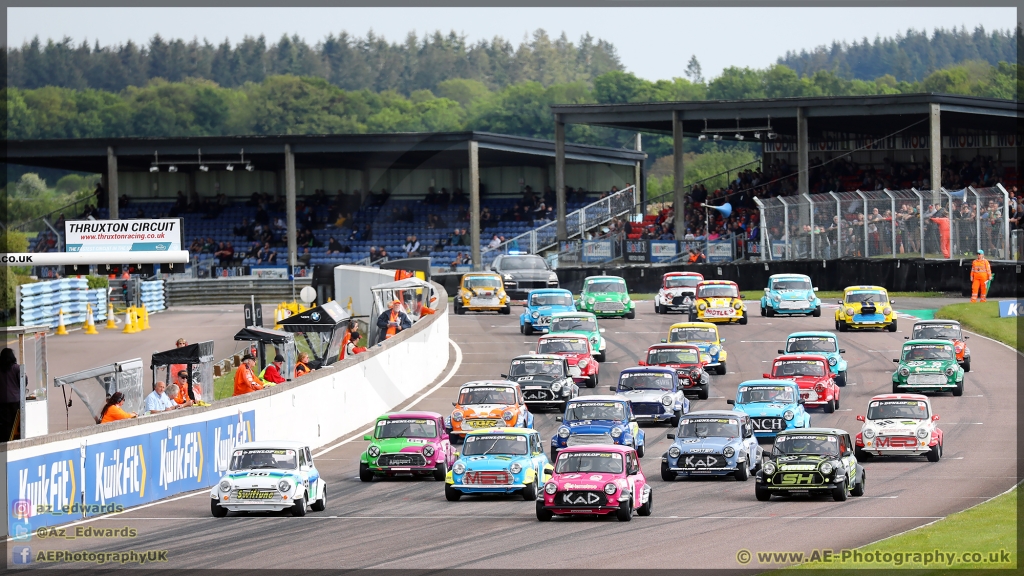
940,223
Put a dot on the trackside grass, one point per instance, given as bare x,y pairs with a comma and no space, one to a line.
983,318
987,534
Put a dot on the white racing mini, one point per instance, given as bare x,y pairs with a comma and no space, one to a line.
269,477
899,425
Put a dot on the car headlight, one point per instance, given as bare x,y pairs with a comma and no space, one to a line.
563,432
515,468
788,415
833,361
284,486
457,417
950,370
550,487
610,488
616,432
702,306
507,415
738,304
666,400
535,314
428,450
591,300
776,297
373,451
593,340
922,433
769,468
556,386
849,311
695,375
225,486
715,349
826,468
459,468
886,311
583,364
674,452
869,433
904,371
729,451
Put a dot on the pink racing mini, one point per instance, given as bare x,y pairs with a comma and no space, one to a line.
596,479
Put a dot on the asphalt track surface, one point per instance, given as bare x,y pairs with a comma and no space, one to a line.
404,523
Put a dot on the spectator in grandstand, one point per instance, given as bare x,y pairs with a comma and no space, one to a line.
279,225
245,376
431,197
459,260
262,216
383,255
266,255
459,197
225,251
196,247
356,235
333,246
272,373
411,246
367,232
158,401
495,242
112,410
244,229
305,257
435,221
209,246
443,198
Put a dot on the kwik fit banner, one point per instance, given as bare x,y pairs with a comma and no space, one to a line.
110,476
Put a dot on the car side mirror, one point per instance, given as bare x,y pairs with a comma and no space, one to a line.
766,375
906,337
967,337
800,401
641,363
840,302
891,302
602,332
612,388
730,402
847,453
457,454
455,403
722,340
860,418
935,417
670,436
782,351
842,351
505,376
766,290
896,360
741,296
558,418
663,340
368,437
815,289
632,418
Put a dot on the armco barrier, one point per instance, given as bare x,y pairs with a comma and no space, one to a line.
41,302
130,462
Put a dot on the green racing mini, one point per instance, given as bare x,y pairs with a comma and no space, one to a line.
606,296
928,366
582,324
819,461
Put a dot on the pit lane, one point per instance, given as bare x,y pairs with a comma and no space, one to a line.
404,523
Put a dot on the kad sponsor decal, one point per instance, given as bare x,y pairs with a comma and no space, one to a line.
581,498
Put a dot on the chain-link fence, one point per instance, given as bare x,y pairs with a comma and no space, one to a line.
888,223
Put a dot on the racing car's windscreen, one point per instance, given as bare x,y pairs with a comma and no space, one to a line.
791,284
607,287
645,381
937,332
551,368
811,344
920,352
897,409
806,445
865,297
717,291
772,394
556,345
799,368
693,335
523,263
670,356
481,395
682,281
709,427
495,444
478,282
406,428
574,325
589,462
551,300
595,411
250,458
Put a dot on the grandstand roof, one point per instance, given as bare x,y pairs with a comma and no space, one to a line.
355,151
863,115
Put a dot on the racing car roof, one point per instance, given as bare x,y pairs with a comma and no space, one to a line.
576,314
410,415
589,278
667,274
490,383
271,444
728,282
936,341
542,356
836,431
492,274
919,397
706,413
811,333
673,346
549,291
815,357
693,325
874,288
501,430
561,335
789,275
599,398
768,382
660,369
937,321
617,448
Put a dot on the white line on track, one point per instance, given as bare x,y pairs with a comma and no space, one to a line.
763,341
531,518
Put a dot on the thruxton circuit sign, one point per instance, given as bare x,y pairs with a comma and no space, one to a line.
142,235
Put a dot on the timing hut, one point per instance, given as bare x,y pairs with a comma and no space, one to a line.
906,127
405,164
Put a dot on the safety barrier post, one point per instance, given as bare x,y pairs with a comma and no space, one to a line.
866,239
892,220
1006,220
920,218
810,208
839,224
785,223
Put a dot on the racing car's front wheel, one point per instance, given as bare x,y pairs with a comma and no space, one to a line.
858,488
841,379
703,394
542,514
365,474
830,407
591,382
762,494
935,453
967,364
721,369
640,451
892,327
530,492
625,511
817,312
528,329
440,471
843,327
666,474
452,494
299,508
743,472
959,390
647,507
506,310
839,492
321,504
217,510
770,312
599,356
862,455
674,421
658,309
763,313
631,315
743,319
554,454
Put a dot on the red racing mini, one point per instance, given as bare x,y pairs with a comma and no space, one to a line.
577,352
686,360
811,373
596,479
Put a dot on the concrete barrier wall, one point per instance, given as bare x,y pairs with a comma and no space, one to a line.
136,461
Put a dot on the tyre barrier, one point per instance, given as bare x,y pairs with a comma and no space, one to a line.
152,295
41,302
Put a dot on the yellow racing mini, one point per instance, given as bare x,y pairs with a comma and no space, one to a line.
718,301
865,308
482,292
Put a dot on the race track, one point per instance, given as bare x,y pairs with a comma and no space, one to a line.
696,524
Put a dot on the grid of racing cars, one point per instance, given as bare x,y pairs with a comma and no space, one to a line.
591,465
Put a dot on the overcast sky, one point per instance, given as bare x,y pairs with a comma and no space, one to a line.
653,43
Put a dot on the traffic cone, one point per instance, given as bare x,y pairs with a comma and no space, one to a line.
90,322
129,321
111,325
144,324
61,329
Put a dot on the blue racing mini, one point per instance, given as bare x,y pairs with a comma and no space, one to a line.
654,394
773,406
598,420
823,344
790,294
712,443
540,305
499,461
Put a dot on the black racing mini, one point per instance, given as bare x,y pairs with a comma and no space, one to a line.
819,461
